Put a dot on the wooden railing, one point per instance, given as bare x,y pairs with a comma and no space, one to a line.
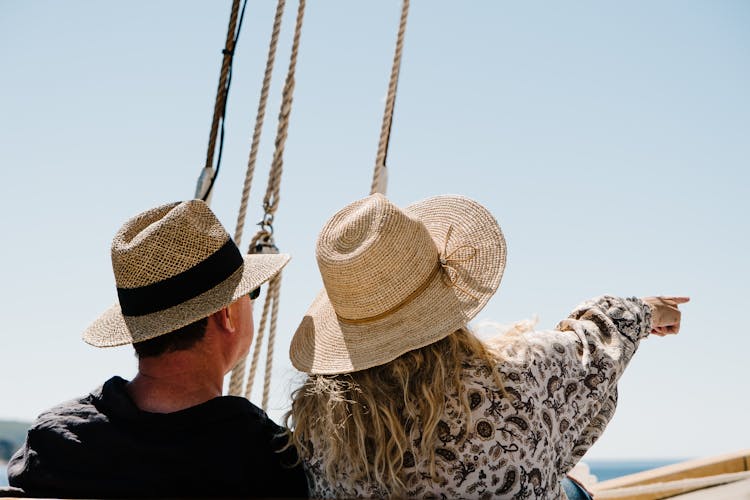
676,479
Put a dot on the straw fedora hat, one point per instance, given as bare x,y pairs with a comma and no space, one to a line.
174,265
396,280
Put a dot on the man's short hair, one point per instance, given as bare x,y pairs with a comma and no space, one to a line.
178,340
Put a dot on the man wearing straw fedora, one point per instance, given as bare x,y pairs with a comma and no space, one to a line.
185,294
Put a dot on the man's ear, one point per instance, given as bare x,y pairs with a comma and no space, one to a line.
224,320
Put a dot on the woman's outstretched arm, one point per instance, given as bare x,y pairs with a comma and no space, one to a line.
606,333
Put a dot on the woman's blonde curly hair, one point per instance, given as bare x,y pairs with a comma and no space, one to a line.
364,419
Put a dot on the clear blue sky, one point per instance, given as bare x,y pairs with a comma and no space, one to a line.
610,139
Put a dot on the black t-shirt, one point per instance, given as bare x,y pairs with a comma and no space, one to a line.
102,446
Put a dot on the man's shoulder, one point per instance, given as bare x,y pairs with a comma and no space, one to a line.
242,406
245,414
72,412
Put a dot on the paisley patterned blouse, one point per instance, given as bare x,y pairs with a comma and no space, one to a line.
561,391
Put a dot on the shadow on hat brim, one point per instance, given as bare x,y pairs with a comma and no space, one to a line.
324,344
112,328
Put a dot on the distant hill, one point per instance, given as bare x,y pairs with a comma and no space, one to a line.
12,434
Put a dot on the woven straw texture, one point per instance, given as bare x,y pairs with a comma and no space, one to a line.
159,244
396,280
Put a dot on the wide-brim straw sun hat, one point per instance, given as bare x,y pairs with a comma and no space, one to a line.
396,280
173,265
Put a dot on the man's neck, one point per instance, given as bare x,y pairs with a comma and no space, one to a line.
173,382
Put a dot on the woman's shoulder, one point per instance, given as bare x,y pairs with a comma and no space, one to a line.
523,346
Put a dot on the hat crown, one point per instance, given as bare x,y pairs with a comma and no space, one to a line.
372,256
165,241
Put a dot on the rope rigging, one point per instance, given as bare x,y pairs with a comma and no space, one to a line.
380,174
263,240
208,175
259,121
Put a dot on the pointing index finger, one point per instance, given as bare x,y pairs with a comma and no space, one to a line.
677,300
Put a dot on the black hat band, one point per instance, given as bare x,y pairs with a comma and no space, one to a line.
184,286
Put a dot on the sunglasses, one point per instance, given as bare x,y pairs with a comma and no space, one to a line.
254,294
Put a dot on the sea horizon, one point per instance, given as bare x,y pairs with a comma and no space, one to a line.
610,468
603,469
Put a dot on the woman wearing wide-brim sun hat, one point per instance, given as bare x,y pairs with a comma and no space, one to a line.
402,399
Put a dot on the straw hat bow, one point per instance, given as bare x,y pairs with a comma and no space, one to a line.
396,280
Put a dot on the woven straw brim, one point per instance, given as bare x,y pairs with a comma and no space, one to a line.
113,329
323,344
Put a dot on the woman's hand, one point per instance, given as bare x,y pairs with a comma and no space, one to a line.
665,315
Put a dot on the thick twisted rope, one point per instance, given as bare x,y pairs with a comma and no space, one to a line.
267,306
259,122
236,381
380,174
274,290
221,96
271,199
264,237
